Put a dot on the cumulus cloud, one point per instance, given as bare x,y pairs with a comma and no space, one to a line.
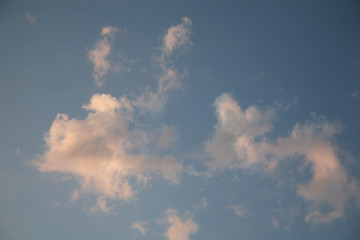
178,227
103,152
240,141
141,226
98,55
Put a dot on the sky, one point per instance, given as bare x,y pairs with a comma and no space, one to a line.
179,120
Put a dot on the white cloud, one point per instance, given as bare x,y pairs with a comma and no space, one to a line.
100,53
141,226
239,210
178,227
106,156
32,19
240,141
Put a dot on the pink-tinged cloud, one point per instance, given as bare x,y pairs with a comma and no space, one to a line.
103,153
99,55
240,141
176,38
178,227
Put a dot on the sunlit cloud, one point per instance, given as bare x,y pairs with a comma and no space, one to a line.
178,227
240,141
107,156
99,55
176,38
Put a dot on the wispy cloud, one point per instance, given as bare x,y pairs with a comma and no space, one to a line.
355,95
239,210
176,38
32,19
98,55
141,226
240,141
178,227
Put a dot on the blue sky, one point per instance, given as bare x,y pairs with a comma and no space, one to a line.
179,120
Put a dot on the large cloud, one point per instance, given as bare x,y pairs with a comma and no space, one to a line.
240,141
103,152
106,152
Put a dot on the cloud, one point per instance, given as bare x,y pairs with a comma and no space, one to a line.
239,210
176,37
178,227
141,226
240,141
32,19
100,206
98,55
202,203
109,152
105,152
275,223
355,95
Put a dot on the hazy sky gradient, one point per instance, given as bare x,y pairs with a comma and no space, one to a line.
179,120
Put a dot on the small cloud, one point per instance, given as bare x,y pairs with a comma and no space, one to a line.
75,195
207,74
98,56
254,77
239,210
178,227
275,223
141,226
177,36
32,19
18,152
355,95
100,206
203,203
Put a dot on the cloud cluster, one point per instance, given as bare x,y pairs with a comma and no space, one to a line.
98,55
178,227
240,141
107,153
103,152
